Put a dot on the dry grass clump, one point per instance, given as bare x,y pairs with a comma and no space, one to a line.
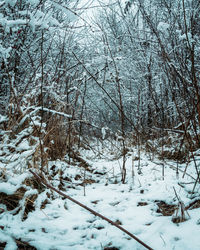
177,155
12,202
165,209
23,199
58,138
180,214
45,135
20,244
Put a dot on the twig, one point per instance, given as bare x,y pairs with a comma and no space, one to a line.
44,182
177,195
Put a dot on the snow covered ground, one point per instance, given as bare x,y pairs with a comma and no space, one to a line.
62,224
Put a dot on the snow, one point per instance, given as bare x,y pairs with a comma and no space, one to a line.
34,2
64,225
4,52
10,2
3,118
103,132
11,23
57,223
163,27
10,242
12,184
7,188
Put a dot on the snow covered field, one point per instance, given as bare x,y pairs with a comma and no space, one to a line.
62,224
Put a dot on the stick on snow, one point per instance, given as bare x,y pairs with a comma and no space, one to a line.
44,182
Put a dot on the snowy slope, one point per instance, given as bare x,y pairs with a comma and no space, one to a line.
64,225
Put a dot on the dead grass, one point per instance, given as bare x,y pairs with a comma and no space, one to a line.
178,212
165,209
20,244
12,202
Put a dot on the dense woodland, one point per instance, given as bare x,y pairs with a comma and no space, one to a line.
126,76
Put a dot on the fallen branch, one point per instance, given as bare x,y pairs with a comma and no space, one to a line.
44,182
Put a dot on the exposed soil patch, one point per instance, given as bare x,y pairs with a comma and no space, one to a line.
169,209
2,245
165,209
142,203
